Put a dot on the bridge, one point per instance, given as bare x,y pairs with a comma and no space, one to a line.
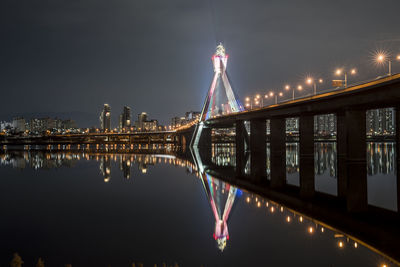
349,106
159,137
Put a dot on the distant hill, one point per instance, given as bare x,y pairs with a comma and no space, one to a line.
83,119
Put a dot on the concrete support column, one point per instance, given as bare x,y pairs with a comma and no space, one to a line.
398,155
239,138
258,152
307,176
341,140
205,144
356,193
205,138
278,152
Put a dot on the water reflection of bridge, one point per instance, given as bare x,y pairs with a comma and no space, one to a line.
376,228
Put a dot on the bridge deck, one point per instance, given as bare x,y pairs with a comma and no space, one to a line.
380,93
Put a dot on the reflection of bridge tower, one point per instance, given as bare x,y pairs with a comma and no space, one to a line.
218,191
220,99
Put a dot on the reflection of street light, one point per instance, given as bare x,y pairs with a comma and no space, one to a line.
343,71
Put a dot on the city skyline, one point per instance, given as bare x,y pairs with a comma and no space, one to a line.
72,51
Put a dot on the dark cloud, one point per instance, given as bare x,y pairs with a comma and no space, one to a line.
155,55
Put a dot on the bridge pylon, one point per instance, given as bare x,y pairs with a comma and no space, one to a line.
221,99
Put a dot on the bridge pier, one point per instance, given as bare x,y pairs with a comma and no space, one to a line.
258,150
307,173
205,145
278,152
240,140
397,118
356,162
341,141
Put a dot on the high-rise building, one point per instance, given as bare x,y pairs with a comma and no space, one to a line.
380,122
177,122
68,124
19,124
105,118
325,124
150,126
142,117
125,119
292,125
192,115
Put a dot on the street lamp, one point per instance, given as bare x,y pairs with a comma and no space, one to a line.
276,97
382,57
249,103
287,88
266,96
311,81
259,100
343,71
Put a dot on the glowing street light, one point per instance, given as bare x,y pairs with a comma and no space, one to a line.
258,100
249,103
311,81
299,87
382,57
276,97
339,72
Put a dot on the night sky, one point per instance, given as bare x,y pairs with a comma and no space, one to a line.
155,55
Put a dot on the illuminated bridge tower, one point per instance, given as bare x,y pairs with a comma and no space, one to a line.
221,99
221,197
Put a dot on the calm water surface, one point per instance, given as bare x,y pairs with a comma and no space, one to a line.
98,209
